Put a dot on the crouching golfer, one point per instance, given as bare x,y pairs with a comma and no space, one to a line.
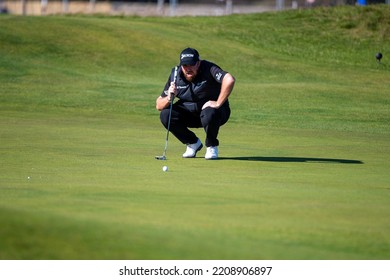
202,88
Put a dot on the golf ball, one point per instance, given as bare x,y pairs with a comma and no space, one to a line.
165,168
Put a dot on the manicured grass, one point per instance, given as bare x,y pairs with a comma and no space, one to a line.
304,168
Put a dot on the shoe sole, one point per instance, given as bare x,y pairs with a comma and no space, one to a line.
197,150
212,158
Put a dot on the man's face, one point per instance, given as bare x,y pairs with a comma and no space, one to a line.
190,71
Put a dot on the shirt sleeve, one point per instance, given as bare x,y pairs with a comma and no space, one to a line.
217,73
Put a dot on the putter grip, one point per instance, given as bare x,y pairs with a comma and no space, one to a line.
174,81
175,74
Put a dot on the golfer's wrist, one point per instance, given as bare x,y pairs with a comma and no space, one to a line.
218,104
169,97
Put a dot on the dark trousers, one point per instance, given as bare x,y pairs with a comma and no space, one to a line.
182,119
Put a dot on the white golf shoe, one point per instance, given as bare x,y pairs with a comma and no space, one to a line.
192,149
211,153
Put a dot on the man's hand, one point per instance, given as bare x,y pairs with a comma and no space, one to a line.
163,102
211,104
172,91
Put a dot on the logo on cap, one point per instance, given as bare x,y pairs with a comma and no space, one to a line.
184,55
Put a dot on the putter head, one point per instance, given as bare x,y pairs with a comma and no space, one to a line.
160,157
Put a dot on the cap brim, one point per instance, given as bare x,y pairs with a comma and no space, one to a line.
188,62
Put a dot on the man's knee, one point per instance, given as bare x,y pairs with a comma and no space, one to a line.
208,116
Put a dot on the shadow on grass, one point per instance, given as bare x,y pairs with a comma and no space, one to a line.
295,159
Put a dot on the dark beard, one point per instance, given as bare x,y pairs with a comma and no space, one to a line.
190,79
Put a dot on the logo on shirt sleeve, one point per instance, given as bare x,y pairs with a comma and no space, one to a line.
218,77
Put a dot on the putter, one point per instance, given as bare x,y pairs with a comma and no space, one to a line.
163,157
